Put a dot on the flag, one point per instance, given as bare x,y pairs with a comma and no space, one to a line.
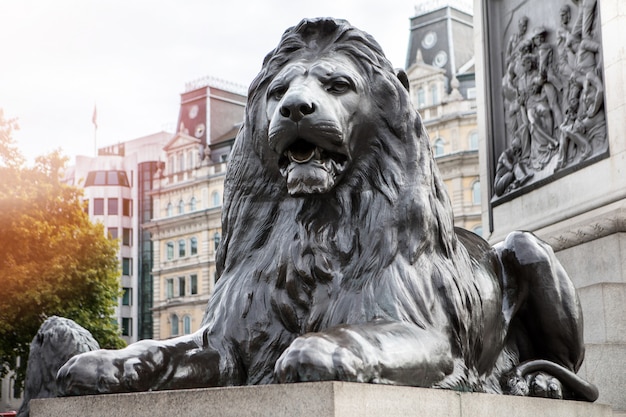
94,117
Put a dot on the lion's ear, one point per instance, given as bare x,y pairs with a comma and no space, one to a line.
403,78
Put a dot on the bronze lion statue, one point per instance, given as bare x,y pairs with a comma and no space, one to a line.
340,260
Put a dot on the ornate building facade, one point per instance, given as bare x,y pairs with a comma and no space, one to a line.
441,79
187,206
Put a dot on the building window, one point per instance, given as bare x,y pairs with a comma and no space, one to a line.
174,324
181,248
170,250
112,232
127,207
193,246
170,210
181,162
438,147
127,326
193,204
187,325
127,236
194,284
127,296
169,288
98,206
471,93
216,239
171,169
421,97
434,94
106,178
476,193
127,266
181,286
473,141
112,177
181,207
191,159
112,206
99,178
215,198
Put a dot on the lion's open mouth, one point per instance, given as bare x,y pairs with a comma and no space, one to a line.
309,168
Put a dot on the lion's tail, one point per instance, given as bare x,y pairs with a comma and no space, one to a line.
582,390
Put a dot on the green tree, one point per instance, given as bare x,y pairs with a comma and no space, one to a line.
53,259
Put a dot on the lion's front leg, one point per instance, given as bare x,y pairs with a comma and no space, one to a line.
380,352
143,366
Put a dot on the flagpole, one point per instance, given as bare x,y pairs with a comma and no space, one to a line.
94,120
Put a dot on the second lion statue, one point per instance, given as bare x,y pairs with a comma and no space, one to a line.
339,258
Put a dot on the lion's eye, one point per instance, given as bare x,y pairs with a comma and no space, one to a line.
277,92
338,86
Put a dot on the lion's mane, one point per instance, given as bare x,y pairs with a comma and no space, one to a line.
380,245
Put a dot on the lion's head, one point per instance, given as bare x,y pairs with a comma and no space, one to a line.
332,173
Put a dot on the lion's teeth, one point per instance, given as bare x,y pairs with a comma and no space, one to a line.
301,158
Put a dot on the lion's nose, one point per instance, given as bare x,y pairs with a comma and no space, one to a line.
296,108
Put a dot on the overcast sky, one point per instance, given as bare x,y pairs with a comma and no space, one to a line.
132,58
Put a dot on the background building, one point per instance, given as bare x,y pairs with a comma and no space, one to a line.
187,205
442,86
116,184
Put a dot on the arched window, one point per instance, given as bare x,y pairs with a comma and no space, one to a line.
216,239
478,230
215,199
438,147
434,94
193,246
181,162
170,210
186,325
473,141
191,162
476,193
181,207
170,250
181,248
193,204
174,325
421,98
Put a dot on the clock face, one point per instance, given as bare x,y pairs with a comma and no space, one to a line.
441,59
429,40
200,128
193,111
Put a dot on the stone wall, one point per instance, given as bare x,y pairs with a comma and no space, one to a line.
581,212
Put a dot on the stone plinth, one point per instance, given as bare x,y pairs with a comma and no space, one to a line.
581,214
320,399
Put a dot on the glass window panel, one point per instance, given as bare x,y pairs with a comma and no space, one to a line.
98,206
194,284
112,206
181,286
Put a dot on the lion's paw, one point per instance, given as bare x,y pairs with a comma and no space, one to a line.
103,372
89,373
536,384
544,385
319,358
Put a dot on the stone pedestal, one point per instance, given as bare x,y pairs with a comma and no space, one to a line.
582,214
319,399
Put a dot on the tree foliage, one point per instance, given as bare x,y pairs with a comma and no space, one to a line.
53,259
